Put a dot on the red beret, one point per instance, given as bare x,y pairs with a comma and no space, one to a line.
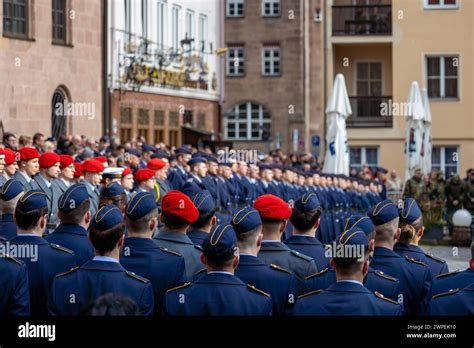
272,208
143,174
126,171
101,159
79,170
10,157
156,164
28,153
176,203
93,166
48,159
65,161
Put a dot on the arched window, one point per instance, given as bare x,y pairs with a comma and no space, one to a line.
58,114
247,121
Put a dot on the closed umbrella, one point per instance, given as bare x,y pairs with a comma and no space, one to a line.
427,144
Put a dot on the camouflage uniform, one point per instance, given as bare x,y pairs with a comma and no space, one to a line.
414,189
437,198
454,196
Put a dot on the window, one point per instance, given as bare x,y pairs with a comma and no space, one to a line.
125,124
359,156
442,75
202,33
201,120
190,25
143,123
58,122
441,4
271,61
235,8
59,21
188,118
145,19
15,18
173,129
369,79
161,24
446,159
128,19
159,126
235,61
270,8
175,35
247,121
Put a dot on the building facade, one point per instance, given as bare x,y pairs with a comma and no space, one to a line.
164,73
273,74
50,67
381,46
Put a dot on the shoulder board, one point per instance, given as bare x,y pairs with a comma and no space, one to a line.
381,296
251,287
383,275
70,271
170,251
60,248
317,273
435,258
415,261
179,287
450,292
200,271
314,292
137,277
446,274
279,268
189,180
11,258
301,256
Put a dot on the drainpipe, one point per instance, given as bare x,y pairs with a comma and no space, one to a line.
105,69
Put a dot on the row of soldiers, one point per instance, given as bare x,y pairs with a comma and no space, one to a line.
195,265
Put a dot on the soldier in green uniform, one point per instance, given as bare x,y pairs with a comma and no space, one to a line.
414,186
455,191
469,196
436,197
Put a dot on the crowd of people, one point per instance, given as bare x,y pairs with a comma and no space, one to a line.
185,231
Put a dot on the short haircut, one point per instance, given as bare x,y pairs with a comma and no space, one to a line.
387,230
75,216
8,207
173,222
249,239
350,265
29,220
304,221
105,241
111,305
409,231
37,136
204,219
120,201
221,260
140,225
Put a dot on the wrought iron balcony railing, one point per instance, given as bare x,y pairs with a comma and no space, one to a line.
370,112
362,20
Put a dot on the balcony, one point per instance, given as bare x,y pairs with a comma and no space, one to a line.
361,20
366,112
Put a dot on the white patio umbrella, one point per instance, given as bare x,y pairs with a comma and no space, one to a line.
414,130
427,144
337,111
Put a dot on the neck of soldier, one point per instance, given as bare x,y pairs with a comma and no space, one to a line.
44,174
182,230
145,235
384,243
359,276
309,233
243,249
115,253
37,231
65,179
229,269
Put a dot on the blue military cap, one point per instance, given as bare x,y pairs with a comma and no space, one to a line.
159,154
265,167
172,158
211,158
199,154
107,217
140,205
354,236
32,200
10,189
383,212
246,220
226,164
203,201
112,190
381,170
134,152
220,243
148,147
195,160
182,150
409,211
72,198
307,202
360,221
277,166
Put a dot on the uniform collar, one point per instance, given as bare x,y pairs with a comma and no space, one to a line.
219,278
384,252
250,260
71,228
27,178
174,237
43,179
343,286
138,242
408,247
273,246
105,259
103,266
28,239
302,239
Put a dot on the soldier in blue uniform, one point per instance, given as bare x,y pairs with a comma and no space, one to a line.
113,193
196,178
218,292
305,220
247,191
414,276
231,189
178,176
73,290
375,280
92,177
10,193
141,255
411,232
178,212
454,302
43,260
14,297
206,206
274,213
267,184
75,217
348,296
280,283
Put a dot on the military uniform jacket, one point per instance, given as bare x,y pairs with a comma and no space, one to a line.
51,259
453,303
373,281
162,188
73,237
7,227
14,296
196,236
61,186
217,294
3,179
184,246
165,269
177,178
309,246
414,276
52,193
94,279
345,299
27,185
435,265
279,254
278,282
93,193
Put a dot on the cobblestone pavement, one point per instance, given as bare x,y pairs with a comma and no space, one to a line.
456,257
